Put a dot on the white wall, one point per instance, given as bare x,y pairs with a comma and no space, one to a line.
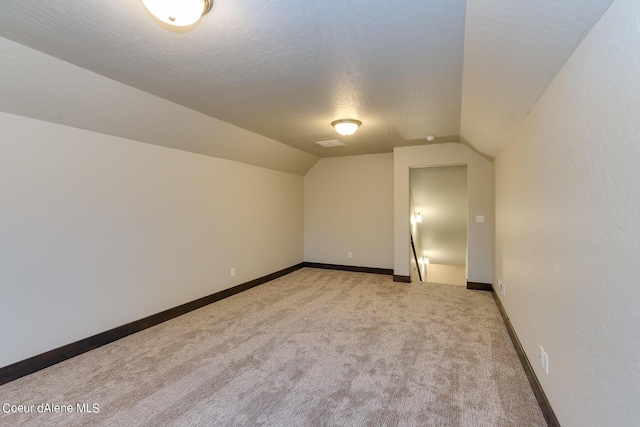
480,202
98,231
348,207
568,235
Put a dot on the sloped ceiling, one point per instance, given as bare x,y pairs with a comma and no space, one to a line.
513,50
284,69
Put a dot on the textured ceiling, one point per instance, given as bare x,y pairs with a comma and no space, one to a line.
513,49
285,69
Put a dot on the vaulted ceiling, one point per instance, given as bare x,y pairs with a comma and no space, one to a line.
460,70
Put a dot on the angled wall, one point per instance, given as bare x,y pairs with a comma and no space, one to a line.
97,231
568,228
46,88
99,228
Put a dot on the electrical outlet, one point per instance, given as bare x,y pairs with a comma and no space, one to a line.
350,254
233,272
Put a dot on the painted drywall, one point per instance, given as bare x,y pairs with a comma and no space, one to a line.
446,274
348,207
440,195
568,234
480,202
46,88
98,231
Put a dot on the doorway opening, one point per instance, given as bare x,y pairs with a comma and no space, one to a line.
439,215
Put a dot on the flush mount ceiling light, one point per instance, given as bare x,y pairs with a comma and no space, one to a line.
180,13
346,127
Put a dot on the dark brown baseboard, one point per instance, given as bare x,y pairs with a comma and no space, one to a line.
545,406
480,286
373,270
44,360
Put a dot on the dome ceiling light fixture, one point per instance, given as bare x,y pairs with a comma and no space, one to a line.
346,127
179,13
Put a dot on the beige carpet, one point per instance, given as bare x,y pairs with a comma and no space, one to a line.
313,348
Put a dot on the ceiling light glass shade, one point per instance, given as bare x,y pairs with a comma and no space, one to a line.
346,127
418,217
181,13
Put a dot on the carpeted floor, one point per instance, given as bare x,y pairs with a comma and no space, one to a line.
313,348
